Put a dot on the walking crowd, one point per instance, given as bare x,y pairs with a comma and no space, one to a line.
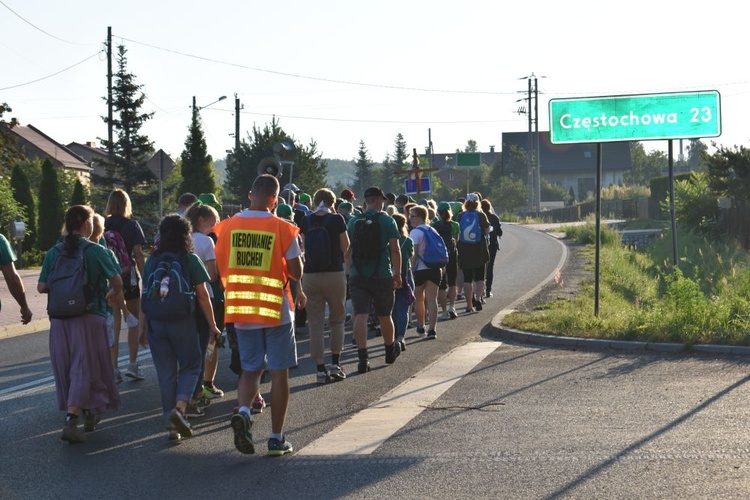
253,279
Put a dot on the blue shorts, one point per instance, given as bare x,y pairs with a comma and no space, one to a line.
273,347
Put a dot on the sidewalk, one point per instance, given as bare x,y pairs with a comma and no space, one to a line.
10,316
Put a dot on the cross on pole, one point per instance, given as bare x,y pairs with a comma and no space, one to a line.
417,172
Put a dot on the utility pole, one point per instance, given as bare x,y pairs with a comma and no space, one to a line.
537,149
236,124
529,148
110,129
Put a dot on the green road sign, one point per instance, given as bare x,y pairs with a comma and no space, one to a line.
679,115
468,159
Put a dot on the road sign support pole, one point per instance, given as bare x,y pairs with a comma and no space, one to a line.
161,182
671,202
598,225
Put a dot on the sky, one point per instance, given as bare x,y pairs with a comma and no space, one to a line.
341,72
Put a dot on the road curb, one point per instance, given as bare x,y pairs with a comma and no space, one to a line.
36,326
499,331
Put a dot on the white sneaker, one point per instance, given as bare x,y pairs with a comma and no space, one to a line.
134,372
131,320
444,316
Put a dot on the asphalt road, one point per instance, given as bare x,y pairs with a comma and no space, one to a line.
519,422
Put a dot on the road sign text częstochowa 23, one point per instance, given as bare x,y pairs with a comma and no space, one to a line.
679,115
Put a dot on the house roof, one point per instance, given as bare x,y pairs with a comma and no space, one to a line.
558,158
36,144
88,151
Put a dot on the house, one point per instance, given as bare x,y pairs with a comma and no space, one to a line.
35,144
94,155
453,176
573,165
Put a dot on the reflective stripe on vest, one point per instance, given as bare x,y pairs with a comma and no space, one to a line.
258,311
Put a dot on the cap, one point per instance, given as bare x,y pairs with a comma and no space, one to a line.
304,198
291,187
391,197
374,191
472,197
348,194
284,211
443,206
210,200
346,205
423,202
402,198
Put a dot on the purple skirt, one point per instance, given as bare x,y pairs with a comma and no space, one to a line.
81,363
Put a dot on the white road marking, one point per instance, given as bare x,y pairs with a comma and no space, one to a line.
367,430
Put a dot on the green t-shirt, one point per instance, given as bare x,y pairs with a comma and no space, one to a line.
6,252
101,266
388,230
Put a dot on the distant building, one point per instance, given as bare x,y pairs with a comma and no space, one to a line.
574,165
35,144
454,177
94,155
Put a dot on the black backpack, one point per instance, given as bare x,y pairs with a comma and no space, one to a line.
317,244
366,245
70,294
445,230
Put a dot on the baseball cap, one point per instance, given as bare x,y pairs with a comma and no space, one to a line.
348,194
291,187
472,197
304,198
346,205
374,191
443,206
284,211
210,200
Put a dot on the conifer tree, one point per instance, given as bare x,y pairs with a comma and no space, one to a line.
19,183
130,150
197,164
363,174
51,213
79,194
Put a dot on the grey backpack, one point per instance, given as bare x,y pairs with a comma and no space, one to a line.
70,294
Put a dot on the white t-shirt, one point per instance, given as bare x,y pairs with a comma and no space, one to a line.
204,248
287,314
417,235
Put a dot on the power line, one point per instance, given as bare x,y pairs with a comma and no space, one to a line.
19,16
353,120
53,74
315,78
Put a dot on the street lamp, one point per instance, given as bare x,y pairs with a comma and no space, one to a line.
196,108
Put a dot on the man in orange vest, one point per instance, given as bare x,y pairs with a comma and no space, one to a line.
257,254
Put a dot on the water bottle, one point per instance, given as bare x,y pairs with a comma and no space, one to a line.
164,288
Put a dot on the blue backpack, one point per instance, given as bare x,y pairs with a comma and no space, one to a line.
435,255
167,292
470,231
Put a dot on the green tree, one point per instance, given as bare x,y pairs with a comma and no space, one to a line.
242,166
696,149
695,204
19,183
79,194
393,176
51,213
310,169
729,172
364,170
9,152
131,149
197,164
644,166
471,146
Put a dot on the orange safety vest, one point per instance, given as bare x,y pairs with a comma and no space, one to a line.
250,257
